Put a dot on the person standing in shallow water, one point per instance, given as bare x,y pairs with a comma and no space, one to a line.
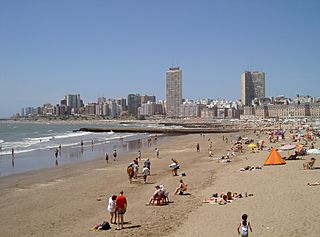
56,153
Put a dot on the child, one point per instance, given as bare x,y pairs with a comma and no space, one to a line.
112,208
243,228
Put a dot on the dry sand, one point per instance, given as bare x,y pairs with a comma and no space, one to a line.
69,200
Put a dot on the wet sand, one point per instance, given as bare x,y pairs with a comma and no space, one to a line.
69,200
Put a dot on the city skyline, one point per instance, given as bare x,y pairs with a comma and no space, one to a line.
123,48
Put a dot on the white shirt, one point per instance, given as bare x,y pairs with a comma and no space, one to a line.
145,171
112,205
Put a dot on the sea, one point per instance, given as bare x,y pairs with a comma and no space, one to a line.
34,144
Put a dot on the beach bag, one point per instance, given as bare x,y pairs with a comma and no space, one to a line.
105,226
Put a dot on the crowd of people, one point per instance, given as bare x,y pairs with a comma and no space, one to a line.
160,195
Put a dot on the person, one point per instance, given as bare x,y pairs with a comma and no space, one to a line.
229,196
114,155
81,143
198,147
12,152
309,164
313,184
182,187
156,196
165,193
59,150
244,226
130,172
112,209
121,208
293,157
145,173
107,158
174,167
157,152
139,154
56,153
135,166
147,163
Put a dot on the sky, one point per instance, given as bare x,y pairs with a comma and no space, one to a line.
110,48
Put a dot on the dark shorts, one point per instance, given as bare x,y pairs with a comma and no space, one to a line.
121,211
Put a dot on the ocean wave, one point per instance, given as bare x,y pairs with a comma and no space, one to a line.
1,141
66,140
55,136
72,134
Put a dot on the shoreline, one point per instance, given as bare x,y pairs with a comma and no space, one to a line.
44,158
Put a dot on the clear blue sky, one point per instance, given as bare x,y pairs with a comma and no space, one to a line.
115,47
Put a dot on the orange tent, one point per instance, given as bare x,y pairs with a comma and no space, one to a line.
274,158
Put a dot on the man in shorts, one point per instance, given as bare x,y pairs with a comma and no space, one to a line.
121,207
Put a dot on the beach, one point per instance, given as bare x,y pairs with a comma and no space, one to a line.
69,200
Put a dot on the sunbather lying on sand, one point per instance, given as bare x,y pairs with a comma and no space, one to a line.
223,198
313,184
250,168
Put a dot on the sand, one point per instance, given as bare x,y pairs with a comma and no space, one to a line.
69,200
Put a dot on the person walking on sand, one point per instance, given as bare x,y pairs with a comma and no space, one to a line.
157,152
139,154
147,164
112,209
130,172
114,155
121,208
244,226
107,158
198,147
145,173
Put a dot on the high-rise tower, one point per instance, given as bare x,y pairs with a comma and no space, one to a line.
173,91
252,86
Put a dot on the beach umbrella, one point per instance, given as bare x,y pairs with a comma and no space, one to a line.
252,145
287,147
313,151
